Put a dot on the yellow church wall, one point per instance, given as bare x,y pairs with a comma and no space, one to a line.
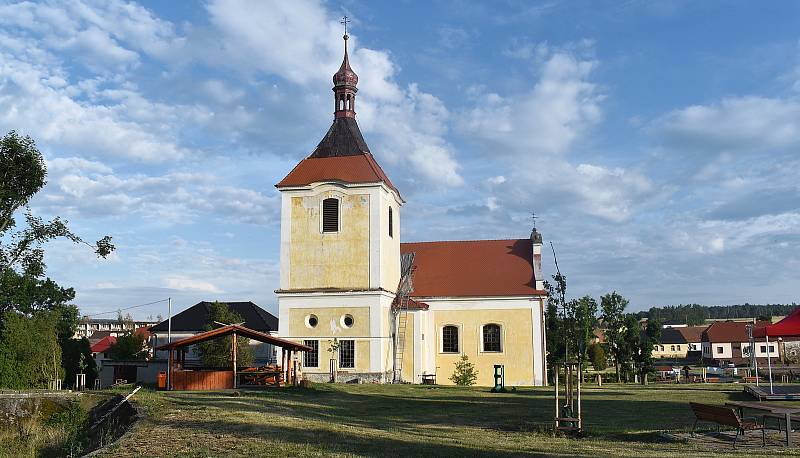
408,352
516,345
330,325
390,246
329,260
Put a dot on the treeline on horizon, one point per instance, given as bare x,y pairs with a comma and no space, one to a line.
696,314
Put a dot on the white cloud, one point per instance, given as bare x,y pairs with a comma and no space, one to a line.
301,42
562,106
89,188
191,284
748,123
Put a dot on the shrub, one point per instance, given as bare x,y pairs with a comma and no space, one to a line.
465,373
597,355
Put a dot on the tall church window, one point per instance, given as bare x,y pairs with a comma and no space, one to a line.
450,339
347,354
311,358
391,223
330,215
491,338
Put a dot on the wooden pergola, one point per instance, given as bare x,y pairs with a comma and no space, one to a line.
188,380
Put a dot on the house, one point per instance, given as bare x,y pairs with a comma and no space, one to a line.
341,261
194,320
101,350
88,327
677,342
727,342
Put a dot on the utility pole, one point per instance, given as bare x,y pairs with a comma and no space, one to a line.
169,320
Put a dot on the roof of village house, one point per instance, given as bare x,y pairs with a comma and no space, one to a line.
103,344
692,333
99,335
672,336
473,268
195,318
728,331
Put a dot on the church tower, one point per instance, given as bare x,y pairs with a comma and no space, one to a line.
340,246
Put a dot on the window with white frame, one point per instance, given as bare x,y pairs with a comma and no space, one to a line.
311,358
492,338
450,339
391,222
720,350
347,354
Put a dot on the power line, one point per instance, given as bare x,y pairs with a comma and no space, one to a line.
126,308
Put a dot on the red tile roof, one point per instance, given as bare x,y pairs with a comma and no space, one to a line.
473,268
360,168
103,344
728,331
692,333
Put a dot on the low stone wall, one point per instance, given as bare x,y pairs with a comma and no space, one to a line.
18,405
350,377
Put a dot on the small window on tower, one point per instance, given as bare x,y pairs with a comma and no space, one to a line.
391,223
330,215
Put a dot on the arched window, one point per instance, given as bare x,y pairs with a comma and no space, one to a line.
491,338
341,103
391,223
450,339
349,106
330,215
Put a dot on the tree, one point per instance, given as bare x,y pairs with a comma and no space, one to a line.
613,306
30,356
217,352
25,291
643,356
580,317
597,356
76,358
129,347
554,322
464,373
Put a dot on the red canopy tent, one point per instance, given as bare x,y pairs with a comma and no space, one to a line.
789,326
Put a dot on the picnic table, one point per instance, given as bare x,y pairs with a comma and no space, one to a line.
770,408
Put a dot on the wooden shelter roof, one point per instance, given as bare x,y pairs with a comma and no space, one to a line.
239,330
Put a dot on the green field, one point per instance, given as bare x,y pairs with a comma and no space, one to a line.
412,420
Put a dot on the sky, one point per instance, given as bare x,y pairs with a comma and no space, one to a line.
657,142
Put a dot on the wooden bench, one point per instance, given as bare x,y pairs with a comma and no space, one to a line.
725,416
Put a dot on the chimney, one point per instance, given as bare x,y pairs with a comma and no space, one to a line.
536,241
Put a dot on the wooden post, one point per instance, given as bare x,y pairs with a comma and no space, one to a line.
234,348
169,371
555,372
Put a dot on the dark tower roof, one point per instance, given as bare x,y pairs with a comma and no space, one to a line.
343,139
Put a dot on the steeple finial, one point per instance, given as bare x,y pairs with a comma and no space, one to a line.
344,83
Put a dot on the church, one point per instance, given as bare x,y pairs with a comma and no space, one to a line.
377,310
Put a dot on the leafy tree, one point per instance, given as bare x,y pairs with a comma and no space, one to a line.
129,347
30,356
554,322
613,306
464,373
217,352
580,317
597,356
76,358
643,356
25,291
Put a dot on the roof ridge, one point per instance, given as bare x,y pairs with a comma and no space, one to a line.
464,241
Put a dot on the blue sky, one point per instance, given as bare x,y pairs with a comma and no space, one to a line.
658,141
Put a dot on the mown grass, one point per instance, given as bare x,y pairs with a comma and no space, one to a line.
412,420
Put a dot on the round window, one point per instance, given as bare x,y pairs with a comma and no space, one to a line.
311,321
347,321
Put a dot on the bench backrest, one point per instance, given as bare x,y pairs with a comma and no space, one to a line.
718,414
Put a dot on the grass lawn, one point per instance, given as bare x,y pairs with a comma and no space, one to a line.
413,420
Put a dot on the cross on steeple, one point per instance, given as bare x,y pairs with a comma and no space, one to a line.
344,22
534,218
